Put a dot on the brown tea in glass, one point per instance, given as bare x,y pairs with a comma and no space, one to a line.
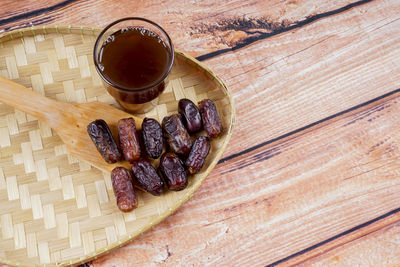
134,62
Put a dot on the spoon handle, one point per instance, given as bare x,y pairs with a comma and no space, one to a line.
33,103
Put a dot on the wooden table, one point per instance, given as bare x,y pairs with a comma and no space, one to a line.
312,173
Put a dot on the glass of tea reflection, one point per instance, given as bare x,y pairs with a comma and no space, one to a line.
134,56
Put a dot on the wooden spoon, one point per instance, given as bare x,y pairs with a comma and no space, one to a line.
68,120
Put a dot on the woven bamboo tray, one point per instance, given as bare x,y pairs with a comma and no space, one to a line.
58,210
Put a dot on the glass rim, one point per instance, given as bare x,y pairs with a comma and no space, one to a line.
124,88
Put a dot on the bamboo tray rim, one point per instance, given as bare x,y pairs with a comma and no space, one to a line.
86,30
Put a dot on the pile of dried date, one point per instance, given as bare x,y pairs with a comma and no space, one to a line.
183,156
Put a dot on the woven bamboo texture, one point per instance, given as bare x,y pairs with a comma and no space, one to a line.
56,209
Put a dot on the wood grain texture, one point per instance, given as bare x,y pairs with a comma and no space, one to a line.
295,79
298,170
377,249
372,244
195,27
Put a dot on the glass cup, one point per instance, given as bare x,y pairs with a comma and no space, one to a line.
134,99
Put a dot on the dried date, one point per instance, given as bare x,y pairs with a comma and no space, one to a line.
177,137
128,139
190,115
101,136
173,171
147,178
152,137
123,189
211,121
198,154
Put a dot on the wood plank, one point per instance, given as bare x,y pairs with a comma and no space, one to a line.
15,9
370,236
184,20
17,14
286,196
380,248
294,79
